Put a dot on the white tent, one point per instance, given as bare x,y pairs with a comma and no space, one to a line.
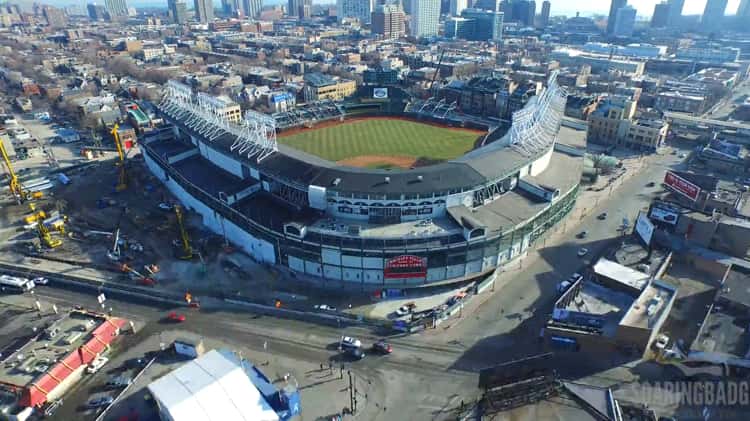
212,387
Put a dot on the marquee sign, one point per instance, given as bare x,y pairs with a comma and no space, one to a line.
406,266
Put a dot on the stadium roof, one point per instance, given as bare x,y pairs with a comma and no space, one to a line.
212,387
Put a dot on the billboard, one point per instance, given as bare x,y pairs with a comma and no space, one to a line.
644,228
663,214
406,266
380,93
681,186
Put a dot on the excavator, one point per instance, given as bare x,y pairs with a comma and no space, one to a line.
16,188
46,237
122,180
187,250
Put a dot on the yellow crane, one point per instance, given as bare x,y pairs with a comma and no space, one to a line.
186,248
16,188
122,183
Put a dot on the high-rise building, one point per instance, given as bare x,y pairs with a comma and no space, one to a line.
544,17
359,9
744,9
675,11
204,10
388,21
55,17
458,6
613,8
485,25
425,15
96,11
713,14
252,8
660,19
178,11
523,11
493,5
624,22
301,9
116,8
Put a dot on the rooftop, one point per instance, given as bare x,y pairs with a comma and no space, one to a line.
598,306
724,332
620,273
650,306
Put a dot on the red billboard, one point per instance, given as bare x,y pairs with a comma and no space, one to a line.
681,186
406,266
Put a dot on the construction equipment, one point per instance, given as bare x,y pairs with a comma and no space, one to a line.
114,253
35,216
434,75
16,188
46,237
122,182
187,250
138,277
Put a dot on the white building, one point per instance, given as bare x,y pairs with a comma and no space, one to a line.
425,15
359,9
458,6
625,22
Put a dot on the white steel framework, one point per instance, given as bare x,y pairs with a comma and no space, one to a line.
535,126
254,137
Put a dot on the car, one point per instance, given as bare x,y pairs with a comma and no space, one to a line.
583,251
355,353
602,216
100,401
325,307
95,365
136,363
41,280
349,342
175,317
402,311
683,156
118,382
582,234
52,407
382,347
650,184
149,282
165,206
661,341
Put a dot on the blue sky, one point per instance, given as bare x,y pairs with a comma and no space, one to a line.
567,7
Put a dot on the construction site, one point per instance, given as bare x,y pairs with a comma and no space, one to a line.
111,219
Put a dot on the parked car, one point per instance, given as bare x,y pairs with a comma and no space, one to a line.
136,363
650,184
100,401
602,216
382,347
165,206
349,342
583,234
118,382
41,280
52,407
95,365
583,251
325,307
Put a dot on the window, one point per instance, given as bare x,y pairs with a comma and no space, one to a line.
345,209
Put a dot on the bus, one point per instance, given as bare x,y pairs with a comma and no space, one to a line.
15,285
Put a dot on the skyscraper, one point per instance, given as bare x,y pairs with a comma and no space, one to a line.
624,22
178,10
388,21
660,19
675,11
523,11
116,8
96,11
458,6
493,5
613,7
713,14
484,25
302,9
544,17
204,10
359,9
252,8
425,15
55,17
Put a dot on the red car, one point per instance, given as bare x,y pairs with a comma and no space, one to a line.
382,347
149,282
176,318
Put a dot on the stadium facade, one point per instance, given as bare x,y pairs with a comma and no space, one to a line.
368,229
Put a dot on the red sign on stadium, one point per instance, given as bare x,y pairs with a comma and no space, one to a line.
682,186
406,266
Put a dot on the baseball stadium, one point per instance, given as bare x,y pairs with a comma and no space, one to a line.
381,192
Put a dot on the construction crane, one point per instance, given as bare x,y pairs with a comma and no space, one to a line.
16,189
186,248
434,75
122,183
46,237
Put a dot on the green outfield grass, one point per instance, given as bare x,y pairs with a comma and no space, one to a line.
383,137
